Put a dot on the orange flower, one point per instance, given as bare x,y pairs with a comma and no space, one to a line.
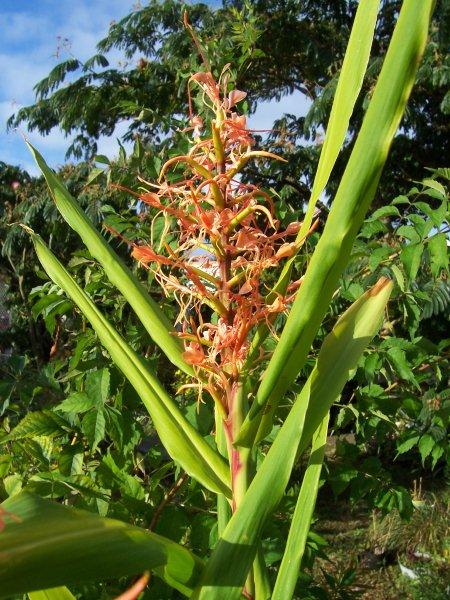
210,211
194,354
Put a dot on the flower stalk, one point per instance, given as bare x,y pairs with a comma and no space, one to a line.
227,237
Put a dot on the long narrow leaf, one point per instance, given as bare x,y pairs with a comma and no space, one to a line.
356,190
261,576
45,545
181,439
347,91
59,593
337,358
148,311
304,509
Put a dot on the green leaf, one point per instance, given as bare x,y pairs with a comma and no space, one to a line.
148,311
77,403
377,256
35,424
398,277
182,441
426,445
371,365
347,92
355,192
97,385
398,498
337,358
60,593
94,174
437,215
44,447
421,225
129,485
409,232
401,200
410,257
263,590
398,360
407,444
342,477
54,310
435,185
5,464
93,427
70,460
383,212
436,454
298,533
437,246
43,303
45,545
12,484
102,159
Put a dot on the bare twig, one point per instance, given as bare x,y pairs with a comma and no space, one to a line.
167,498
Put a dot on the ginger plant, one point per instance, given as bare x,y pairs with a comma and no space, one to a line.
227,235
227,238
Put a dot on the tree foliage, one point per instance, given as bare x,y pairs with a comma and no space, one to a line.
275,47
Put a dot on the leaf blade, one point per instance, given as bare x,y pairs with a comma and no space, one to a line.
148,311
37,541
347,91
60,593
93,426
338,356
181,439
355,192
301,520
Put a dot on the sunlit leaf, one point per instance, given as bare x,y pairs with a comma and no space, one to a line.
181,439
337,358
45,545
356,190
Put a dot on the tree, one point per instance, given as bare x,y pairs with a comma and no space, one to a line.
276,47
25,200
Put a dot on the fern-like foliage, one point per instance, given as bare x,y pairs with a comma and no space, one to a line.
56,76
438,302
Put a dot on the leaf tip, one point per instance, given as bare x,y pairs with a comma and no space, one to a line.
381,285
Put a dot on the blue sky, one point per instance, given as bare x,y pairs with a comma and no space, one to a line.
29,39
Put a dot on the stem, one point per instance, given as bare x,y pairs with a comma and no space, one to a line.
167,498
240,460
236,394
223,506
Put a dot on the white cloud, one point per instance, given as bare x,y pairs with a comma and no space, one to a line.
54,141
18,76
28,48
18,28
16,154
29,44
14,150
6,109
